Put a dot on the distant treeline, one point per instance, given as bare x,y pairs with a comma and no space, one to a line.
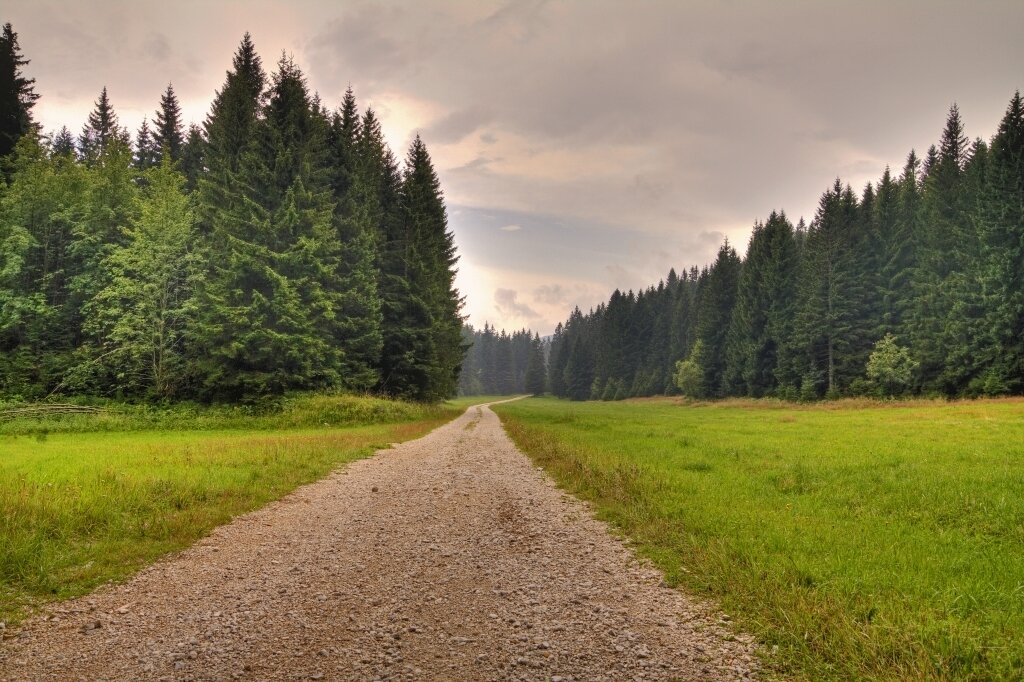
915,286
498,363
278,247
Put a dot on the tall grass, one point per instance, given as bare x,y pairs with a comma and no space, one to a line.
80,508
293,412
857,541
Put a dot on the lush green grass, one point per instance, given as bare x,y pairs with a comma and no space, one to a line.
80,508
294,412
463,402
863,541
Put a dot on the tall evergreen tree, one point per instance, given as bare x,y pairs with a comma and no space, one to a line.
945,228
167,125
1001,230
63,143
100,129
193,157
536,370
829,292
429,340
356,185
762,320
268,304
230,128
17,93
147,154
717,299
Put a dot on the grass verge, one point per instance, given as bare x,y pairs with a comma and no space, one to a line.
464,402
856,541
81,508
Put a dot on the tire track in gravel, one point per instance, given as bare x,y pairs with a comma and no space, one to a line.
448,557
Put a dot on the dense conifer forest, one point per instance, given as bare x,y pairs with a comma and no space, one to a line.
915,285
279,246
499,363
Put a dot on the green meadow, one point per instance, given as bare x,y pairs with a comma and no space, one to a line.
857,540
86,499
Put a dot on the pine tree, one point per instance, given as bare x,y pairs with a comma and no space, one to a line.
430,314
230,128
578,374
167,133
268,305
717,299
829,293
945,227
100,129
536,371
356,189
147,154
63,143
1001,229
193,157
762,320
17,94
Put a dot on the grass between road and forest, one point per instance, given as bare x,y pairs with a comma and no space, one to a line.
856,540
89,498
464,402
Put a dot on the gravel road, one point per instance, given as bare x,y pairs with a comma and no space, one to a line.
448,557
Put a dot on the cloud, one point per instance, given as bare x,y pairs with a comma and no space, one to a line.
510,228
551,294
457,125
157,47
507,304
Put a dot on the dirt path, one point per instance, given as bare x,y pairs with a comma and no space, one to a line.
449,557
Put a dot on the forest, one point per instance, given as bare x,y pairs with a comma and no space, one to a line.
914,286
499,363
279,246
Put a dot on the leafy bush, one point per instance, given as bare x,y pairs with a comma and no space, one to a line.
890,367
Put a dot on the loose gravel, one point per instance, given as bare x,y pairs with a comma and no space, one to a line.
448,557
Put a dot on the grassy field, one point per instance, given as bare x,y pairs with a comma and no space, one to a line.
857,540
88,499
463,402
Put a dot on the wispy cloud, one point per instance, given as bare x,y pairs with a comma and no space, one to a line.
506,301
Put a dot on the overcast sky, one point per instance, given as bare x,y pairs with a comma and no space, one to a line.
582,145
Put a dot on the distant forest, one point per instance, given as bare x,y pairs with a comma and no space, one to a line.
913,286
277,247
499,363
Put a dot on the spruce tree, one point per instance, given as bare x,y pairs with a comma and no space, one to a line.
356,186
63,143
762,320
17,93
829,293
1001,228
229,129
100,130
193,157
147,154
945,226
422,253
717,299
578,374
167,125
268,305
